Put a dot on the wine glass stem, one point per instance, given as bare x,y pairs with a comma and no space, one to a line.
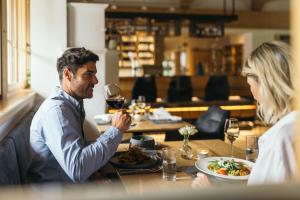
231,149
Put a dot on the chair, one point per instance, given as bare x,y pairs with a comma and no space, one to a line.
21,138
211,123
180,89
145,86
9,172
217,88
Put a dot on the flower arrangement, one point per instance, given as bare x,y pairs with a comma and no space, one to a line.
186,150
186,131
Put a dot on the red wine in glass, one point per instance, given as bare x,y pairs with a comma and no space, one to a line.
117,103
114,98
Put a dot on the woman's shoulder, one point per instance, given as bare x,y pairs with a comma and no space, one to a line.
283,128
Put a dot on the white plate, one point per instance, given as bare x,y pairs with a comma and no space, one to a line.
172,118
103,119
203,163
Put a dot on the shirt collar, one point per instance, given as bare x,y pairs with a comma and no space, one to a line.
77,104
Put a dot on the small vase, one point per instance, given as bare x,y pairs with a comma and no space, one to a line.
186,150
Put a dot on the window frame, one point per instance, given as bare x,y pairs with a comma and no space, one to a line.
1,50
20,40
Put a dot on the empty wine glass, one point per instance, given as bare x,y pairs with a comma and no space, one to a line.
232,130
113,96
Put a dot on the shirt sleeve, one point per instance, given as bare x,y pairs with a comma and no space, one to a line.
63,137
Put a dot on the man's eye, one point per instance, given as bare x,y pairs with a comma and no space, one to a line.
89,74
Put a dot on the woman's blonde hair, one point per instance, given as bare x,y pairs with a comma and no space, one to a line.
270,66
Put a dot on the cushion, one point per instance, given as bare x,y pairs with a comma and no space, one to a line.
211,123
217,88
21,138
145,86
180,89
9,172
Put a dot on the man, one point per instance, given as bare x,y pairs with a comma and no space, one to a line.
60,152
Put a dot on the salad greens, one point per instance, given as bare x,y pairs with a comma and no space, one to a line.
229,167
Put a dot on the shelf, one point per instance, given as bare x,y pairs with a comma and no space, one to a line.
233,58
142,47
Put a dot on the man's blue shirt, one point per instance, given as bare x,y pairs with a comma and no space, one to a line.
60,152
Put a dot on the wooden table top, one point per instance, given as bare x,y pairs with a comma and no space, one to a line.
149,126
143,183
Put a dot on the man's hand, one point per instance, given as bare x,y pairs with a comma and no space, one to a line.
121,120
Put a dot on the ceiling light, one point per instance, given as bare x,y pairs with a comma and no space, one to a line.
114,7
172,9
144,8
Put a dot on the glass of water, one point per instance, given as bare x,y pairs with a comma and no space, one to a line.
251,147
169,164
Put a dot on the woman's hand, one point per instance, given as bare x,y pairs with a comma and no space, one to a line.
201,181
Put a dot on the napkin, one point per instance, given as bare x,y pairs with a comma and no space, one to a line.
103,119
162,114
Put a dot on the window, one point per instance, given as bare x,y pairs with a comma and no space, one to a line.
1,39
15,45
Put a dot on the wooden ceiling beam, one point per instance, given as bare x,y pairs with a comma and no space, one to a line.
164,10
263,20
185,4
257,5
246,19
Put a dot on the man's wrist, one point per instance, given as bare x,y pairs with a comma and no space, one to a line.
116,128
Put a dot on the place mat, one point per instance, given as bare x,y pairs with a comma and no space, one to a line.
190,170
155,169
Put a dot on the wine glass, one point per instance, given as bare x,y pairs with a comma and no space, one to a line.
141,102
232,130
113,96
147,110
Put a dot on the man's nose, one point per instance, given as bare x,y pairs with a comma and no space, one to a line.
95,80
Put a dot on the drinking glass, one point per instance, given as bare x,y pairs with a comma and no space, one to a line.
251,147
133,108
147,110
202,153
232,130
113,96
169,164
141,102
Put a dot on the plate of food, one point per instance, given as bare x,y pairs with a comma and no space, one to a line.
134,158
225,167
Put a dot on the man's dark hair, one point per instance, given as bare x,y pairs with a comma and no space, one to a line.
73,59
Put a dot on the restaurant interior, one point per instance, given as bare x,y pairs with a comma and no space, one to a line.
175,64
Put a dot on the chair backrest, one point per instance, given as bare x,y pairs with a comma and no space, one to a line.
9,172
217,88
21,138
145,86
180,89
211,123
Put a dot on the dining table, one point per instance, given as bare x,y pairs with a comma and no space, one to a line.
152,181
147,125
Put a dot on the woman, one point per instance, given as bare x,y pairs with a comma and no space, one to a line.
268,71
